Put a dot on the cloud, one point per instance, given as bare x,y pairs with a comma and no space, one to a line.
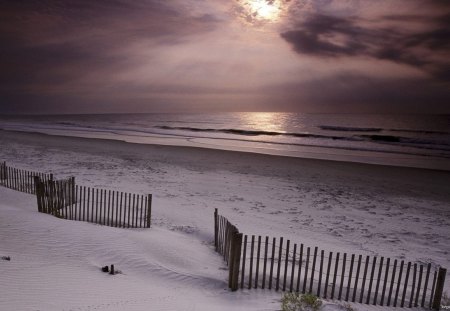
46,44
156,55
427,48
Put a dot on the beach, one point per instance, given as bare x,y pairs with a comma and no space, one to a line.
397,212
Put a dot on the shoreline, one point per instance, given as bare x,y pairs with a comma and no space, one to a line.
249,151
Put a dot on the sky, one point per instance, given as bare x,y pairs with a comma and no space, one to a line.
314,56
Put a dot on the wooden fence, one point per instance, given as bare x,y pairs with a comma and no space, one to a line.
66,200
263,262
20,180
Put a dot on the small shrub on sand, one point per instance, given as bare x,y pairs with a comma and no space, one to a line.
297,302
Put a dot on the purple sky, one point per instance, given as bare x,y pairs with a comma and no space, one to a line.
218,55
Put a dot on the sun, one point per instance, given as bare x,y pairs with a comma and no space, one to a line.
265,9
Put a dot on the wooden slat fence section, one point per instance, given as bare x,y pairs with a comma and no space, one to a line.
66,200
20,180
347,277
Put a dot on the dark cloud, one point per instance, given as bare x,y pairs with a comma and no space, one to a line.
49,43
308,38
331,36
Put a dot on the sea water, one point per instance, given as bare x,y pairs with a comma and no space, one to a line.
400,140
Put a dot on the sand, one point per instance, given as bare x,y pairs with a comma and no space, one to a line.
397,212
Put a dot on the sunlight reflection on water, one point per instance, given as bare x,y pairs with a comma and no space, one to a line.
265,121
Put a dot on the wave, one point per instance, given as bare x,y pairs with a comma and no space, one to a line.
374,138
384,138
251,132
406,141
377,130
349,129
420,131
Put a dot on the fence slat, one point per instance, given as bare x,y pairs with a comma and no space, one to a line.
236,260
397,291
320,272
90,203
251,263
369,292
305,278
419,284
68,196
76,207
291,284
377,287
225,240
231,260
355,286
258,255
433,285
113,204
83,213
330,259
280,253
413,286
142,213
243,262
286,263
149,210
366,266
405,286
129,210
439,288
344,263
135,214
386,274
313,270
335,275
427,277
349,283
96,207
265,262
108,213
391,288
120,210
300,262
272,263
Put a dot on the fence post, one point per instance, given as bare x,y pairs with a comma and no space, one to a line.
439,289
216,229
3,170
38,193
149,210
72,192
230,237
237,244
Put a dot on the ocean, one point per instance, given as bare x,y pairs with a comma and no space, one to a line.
401,140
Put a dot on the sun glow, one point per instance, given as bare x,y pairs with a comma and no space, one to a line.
265,9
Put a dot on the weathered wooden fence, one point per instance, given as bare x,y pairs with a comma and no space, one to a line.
66,200
20,180
263,262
